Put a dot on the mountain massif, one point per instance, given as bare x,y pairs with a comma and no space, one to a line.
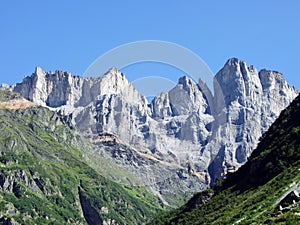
46,179
78,150
184,139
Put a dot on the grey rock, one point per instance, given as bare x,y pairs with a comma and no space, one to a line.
253,100
202,136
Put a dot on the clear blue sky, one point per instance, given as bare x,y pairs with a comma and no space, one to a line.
70,35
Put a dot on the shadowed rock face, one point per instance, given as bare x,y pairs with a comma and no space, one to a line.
187,126
90,214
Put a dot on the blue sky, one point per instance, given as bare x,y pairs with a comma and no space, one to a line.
70,35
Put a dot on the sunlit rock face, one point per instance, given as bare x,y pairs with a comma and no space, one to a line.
252,102
187,128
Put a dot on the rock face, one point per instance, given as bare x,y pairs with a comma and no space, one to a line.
203,135
252,102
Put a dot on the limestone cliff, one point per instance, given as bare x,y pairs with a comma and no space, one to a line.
187,127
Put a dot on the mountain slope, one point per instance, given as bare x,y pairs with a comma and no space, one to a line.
258,192
44,179
184,139
186,125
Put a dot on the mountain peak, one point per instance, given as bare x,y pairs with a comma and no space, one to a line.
113,71
185,81
114,82
114,79
187,84
188,114
233,68
39,71
274,80
271,73
233,62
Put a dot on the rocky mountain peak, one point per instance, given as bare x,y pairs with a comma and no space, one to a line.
189,87
113,70
233,62
238,66
39,71
234,68
115,82
253,100
186,81
186,97
186,125
272,79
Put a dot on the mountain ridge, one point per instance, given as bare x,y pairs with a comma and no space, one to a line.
205,135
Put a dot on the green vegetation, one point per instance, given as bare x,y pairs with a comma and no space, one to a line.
252,194
44,178
6,95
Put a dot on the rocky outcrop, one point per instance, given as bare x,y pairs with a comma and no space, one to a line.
252,102
58,89
188,127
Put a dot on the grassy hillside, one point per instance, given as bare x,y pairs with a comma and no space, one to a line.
44,179
255,193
